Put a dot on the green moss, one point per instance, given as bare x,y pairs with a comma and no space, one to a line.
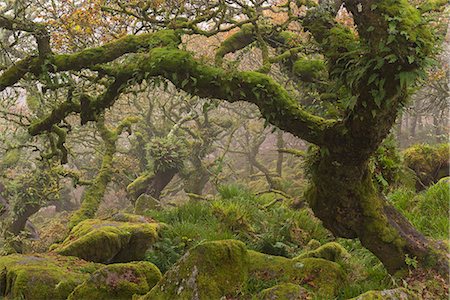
330,251
244,37
58,114
313,244
432,5
10,158
309,69
208,271
394,294
140,183
93,195
126,217
109,241
430,163
145,202
41,276
286,291
411,36
115,49
202,80
320,276
118,281
14,73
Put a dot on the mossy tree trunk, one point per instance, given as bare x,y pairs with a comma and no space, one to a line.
15,223
342,193
196,179
93,195
252,154
151,184
159,182
345,198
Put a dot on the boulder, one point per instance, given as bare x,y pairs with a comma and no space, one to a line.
110,241
208,271
394,294
40,276
118,281
213,270
285,291
330,251
320,276
145,202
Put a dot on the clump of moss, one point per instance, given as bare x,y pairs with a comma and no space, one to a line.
330,251
208,271
394,294
125,217
318,275
109,241
284,291
42,276
118,281
430,163
309,69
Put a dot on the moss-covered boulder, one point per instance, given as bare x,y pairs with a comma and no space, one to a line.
313,244
118,281
42,276
321,276
285,291
330,251
430,163
145,202
394,294
109,241
210,270
218,269
125,217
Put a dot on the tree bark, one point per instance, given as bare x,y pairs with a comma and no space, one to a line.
280,145
344,197
151,184
159,182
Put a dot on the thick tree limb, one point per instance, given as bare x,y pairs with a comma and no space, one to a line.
274,102
89,57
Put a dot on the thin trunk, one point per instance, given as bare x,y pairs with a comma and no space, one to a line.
151,184
159,182
413,125
280,145
399,129
93,195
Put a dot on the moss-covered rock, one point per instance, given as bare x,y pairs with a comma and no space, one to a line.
323,277
313,244
208,271
430,163
41,276
286,291
125,217
109,241
118,281
394,294
226,268
145,202
330,251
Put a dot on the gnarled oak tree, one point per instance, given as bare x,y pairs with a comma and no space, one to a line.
370,65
